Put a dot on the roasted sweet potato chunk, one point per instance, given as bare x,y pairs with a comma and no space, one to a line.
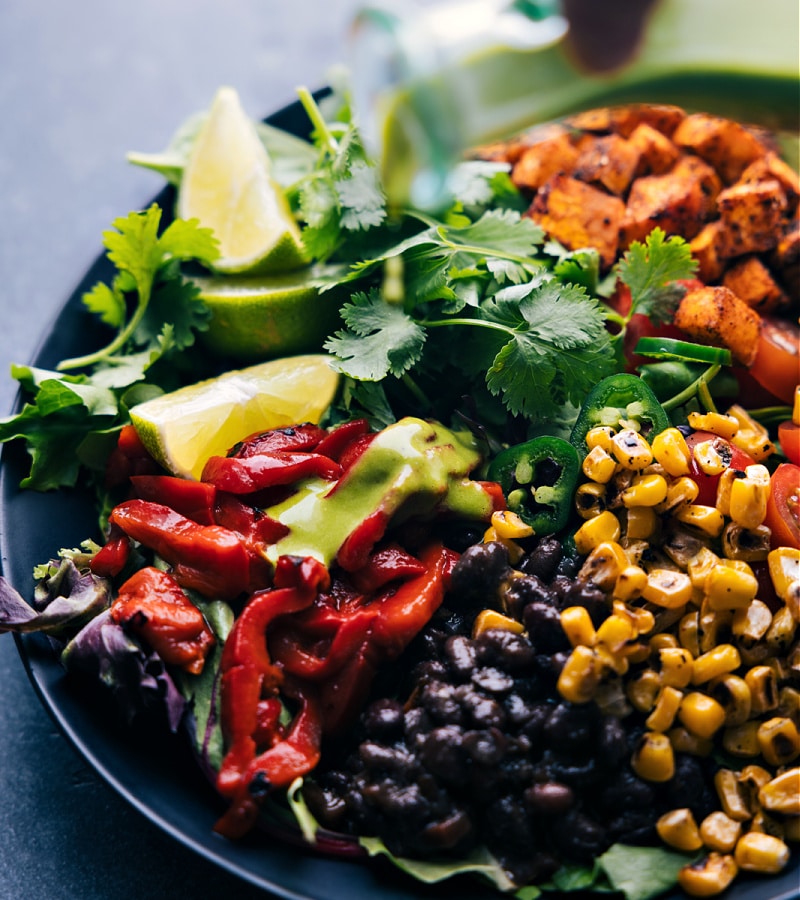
657,153
752,282
717,316
772,166
751,217
552,156
624,119
728,146
579,215
608,161
710,265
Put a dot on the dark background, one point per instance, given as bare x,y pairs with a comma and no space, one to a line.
81,83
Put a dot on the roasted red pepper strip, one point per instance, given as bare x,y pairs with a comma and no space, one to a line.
255,526
339,439
246,476
354,450
354,552
208,558
111,559
129,457
294,437
390,563
193,499
152,605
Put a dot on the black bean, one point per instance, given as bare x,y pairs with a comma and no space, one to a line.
383,719
550,798
578,837
543,560
492,680
485,747
442,752
570,726
479,570
448,833
543,623
460,654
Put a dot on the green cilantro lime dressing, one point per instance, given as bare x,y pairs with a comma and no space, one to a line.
410,469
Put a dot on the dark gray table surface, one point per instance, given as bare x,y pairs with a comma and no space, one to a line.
81,83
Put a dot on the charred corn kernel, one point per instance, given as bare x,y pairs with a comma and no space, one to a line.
784,571
663,715
688,632
744,418
580,676
700,565
661,641
640,523
782,793
678,829
727,587
762,853
489,619
752,778
629,584
742,740
612,661
763,823
642,690
515,552
789,703
598,465
705,518
645,621
763,685
708,876
671,451
749,496
653,758
720,660
781,631
779,741
731,796
676,666
717,423
680,492
615,631
645,490
733,695
683,741
712,456
593,532
666,588
715,627
701,714
577,626
752,437
590,499
509,525
746,544
631,450
720,832
723,498
752,622
600,436
603,565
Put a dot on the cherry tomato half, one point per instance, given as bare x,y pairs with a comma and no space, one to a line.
707,484
789,437
777,363
783,506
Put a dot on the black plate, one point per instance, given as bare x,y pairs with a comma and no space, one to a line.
156,773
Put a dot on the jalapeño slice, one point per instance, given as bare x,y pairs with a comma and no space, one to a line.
671,348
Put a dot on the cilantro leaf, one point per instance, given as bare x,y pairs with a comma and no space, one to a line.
361,198
381,339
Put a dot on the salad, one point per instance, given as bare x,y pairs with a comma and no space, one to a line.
519,596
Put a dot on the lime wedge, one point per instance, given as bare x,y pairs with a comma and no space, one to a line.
228,186
183,428
257,317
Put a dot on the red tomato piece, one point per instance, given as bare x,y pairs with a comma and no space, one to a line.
789,437
777,363
783,506
707,484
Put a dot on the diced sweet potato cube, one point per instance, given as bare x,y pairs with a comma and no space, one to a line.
704,249
786,258
553,156
753,282
675,202
624,119
772,166
710,185
579,215
725,144
657,153
715,315
609,161
751,217
511,149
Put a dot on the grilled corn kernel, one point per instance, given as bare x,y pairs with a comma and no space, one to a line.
701,714
705,518
629,584
631,450
730,588
747,544
665,710
708,876
781,631
749,496
779,741
763,684
723,498
733,695
640,523
654,759
676,666
678,829
671,451
784,571
688,632
580,676
615,631
489,619
600,436
681,491
752,437
666,588
642,690
720,832
752,778
661,641
599,466
509,525
645,490
763,823
577,626
782,793
590,499
731,795
762,853
593,532
700,565
742,740
718,661
715,627
717,423
789,703
603,565
752,622
712,456
683,741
